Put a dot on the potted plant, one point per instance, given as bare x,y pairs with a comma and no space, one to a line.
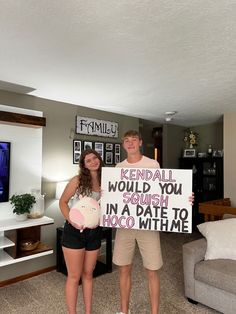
22,203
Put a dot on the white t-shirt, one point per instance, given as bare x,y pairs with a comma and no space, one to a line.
144,162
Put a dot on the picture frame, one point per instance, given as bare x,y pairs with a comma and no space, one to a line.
202,155
190,152
99,147
117,158
117,153
109,146
88,145
217,153
77,149
109,158
117,149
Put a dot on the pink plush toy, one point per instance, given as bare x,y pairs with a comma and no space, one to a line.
85,212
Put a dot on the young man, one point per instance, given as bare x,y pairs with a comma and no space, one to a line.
148,241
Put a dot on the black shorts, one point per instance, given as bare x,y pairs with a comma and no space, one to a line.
89,239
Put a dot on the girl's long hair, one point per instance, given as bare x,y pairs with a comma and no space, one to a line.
85,179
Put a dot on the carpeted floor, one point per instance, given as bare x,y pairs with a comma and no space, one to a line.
44,294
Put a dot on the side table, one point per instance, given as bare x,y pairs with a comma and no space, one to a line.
101,268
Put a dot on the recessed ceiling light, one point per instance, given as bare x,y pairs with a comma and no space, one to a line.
170,113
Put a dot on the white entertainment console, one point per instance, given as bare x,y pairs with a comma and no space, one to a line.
12,232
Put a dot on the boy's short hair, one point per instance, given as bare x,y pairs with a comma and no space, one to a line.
132,133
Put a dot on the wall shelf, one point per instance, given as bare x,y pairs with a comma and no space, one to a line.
6,259
5,242
10,224
15,231
22,119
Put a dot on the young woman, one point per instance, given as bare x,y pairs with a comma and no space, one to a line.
81,248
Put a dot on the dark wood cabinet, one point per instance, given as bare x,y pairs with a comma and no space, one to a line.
207,181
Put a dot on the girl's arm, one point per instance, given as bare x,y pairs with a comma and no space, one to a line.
68,193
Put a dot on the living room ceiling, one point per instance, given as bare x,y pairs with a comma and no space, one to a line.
139,58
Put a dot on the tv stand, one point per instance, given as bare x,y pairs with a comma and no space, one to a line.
12,232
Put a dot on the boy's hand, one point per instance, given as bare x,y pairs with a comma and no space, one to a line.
191,199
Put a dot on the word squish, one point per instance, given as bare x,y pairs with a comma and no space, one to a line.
145,199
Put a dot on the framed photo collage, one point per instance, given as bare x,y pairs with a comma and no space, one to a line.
110,152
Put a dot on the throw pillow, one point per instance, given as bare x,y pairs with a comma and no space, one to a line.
221,238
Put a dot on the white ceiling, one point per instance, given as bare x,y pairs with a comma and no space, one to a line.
137,57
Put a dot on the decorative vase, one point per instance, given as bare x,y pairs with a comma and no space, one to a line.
210,150
37,210
21,217
190,145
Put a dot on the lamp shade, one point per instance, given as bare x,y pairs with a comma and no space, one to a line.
60,189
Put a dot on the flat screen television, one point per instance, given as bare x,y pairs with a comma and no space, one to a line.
4,170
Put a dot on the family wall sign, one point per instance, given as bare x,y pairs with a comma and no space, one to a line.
96,127
148,199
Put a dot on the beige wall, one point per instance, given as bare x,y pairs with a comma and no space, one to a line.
210,134
57,161
230,157
172,145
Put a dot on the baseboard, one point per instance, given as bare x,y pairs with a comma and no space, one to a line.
26,276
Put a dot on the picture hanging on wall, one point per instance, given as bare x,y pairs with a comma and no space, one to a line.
77,148
109,158
99,147
117,153
88,145
109,152
117,149
117,159
109,146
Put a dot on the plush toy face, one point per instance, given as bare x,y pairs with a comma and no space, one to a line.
85,212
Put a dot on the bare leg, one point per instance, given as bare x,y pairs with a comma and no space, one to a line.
74,262
125,287
154,289
87,278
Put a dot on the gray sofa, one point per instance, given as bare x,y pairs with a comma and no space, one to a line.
210,282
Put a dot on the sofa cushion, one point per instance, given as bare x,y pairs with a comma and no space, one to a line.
221,238
219,273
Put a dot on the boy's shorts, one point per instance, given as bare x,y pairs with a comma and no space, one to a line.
148,243
89,239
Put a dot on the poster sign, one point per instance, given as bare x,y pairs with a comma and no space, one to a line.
90,126
147,199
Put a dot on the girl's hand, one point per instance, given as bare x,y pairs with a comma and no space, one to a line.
191,199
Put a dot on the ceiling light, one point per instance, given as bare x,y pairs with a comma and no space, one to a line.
169,115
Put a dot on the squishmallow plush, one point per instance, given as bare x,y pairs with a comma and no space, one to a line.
85,212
